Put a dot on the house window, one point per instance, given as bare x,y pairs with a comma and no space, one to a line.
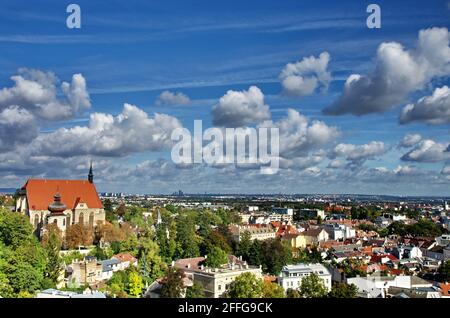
220,287
91,219
81,218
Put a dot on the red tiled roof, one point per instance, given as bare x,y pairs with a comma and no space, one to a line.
125,257
40,193
378,258
445,289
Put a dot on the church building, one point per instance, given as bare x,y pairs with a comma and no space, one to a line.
62,202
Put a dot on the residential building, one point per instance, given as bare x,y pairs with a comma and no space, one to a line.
311,214
54,293
377,286
291,275
215,281
257,232
313,236
87,271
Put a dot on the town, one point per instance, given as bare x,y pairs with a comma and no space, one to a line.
62,239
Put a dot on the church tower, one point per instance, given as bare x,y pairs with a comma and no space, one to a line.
91,174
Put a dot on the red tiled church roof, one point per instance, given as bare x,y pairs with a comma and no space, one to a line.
40,193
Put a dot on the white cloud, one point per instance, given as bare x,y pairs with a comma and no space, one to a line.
168,98
427,151
434,109
398,72
304,77
17,126
129,132
37,92
240,108
405,170
410,140
299,135
446,170
358,153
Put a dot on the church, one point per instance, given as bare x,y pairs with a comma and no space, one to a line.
62,202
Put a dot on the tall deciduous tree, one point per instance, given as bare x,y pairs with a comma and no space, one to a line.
216,257
272,290
135,284
52,242
78,234
312,286
172,284
341,290
246,285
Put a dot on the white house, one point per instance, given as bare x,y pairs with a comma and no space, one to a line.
377,286
291,275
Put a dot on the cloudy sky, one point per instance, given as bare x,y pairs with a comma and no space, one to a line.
359,110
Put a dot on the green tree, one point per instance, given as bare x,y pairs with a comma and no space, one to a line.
6,290
15,228
187,239
272,290
172,284
195,291
52,242
341,290
150,263
293,293
444,270
312,286
216,257
244,245
246,285
276,254
135,284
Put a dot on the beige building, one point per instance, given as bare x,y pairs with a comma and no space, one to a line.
62,202
87,271
215,281
257,232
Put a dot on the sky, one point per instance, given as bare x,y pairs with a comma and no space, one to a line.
359,110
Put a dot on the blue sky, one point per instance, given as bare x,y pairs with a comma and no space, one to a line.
132,51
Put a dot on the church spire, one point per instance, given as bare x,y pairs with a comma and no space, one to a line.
91,174
159,219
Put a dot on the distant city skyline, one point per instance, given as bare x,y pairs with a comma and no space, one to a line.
360,111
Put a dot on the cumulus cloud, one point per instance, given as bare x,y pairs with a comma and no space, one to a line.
359,153
304,77
410,140
299,135
168,98
397,73
130,131
37,92
17,127
335,164
240,108
446,170
434,109
427,151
